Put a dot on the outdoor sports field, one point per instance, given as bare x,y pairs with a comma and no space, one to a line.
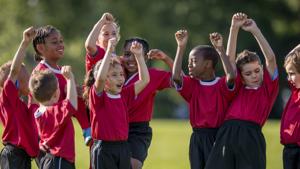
169,149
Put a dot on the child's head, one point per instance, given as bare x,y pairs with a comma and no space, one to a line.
202,61
115,78
108,31
128,59
43,86
292,67
48,43
249,65
22,81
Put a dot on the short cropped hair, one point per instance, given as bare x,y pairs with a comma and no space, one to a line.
245,57
43,84
142,41
293,58
207,52
4,71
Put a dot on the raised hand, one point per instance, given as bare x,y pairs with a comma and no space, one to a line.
66,71
250,26
216,40
29,34
156,54
136,48
238,19
112,43
181,37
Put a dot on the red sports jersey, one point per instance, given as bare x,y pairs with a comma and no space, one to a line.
290,120
81,116
109,114
56,129
208,101
18,121
141,109
254,104
90,61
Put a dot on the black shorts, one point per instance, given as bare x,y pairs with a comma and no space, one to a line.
239,144
139,139
110,155
201,143
13,157
49,161
291,156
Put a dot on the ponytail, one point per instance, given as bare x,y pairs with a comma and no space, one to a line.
88,82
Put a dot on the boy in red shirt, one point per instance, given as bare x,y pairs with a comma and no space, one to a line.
289,130
208,96
19,136
239,142
53,118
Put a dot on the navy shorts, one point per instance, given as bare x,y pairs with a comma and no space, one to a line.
110,155
201,143
239,144
291,156
49,161
13,157
139,139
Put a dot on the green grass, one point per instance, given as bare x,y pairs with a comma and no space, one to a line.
169,147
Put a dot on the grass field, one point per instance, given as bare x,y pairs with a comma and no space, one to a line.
169,148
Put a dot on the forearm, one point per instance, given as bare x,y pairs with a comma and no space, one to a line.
102,71
176,72
17,60
228,69
72,92
90,43
264,46
169,62
231,44
143,70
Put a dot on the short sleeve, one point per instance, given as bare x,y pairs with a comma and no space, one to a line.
91,60
188,87
163,79
10,93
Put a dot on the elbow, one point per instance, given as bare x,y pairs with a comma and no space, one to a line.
176,78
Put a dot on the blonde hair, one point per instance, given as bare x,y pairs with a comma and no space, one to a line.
293,58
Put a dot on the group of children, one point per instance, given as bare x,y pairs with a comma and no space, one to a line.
116,105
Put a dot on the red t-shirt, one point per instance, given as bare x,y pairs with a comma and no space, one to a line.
56,129
208,101
90,60
254,104
141,109
290,120
109,114
18,121
82,115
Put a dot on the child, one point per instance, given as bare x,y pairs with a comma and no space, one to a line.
289,131
53,118
240,143
19,136
108,103
49,47
96,43
208,96
140,111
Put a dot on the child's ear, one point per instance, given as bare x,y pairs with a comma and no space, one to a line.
208,63
40,48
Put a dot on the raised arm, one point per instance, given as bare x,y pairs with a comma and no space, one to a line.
237,21
90,43
181,37
15,68
71,86
269,55
144,78
217,41
160,55
101,74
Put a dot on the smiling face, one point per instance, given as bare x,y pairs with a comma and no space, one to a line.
107,32
252,74
53,48
115,79
196,66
